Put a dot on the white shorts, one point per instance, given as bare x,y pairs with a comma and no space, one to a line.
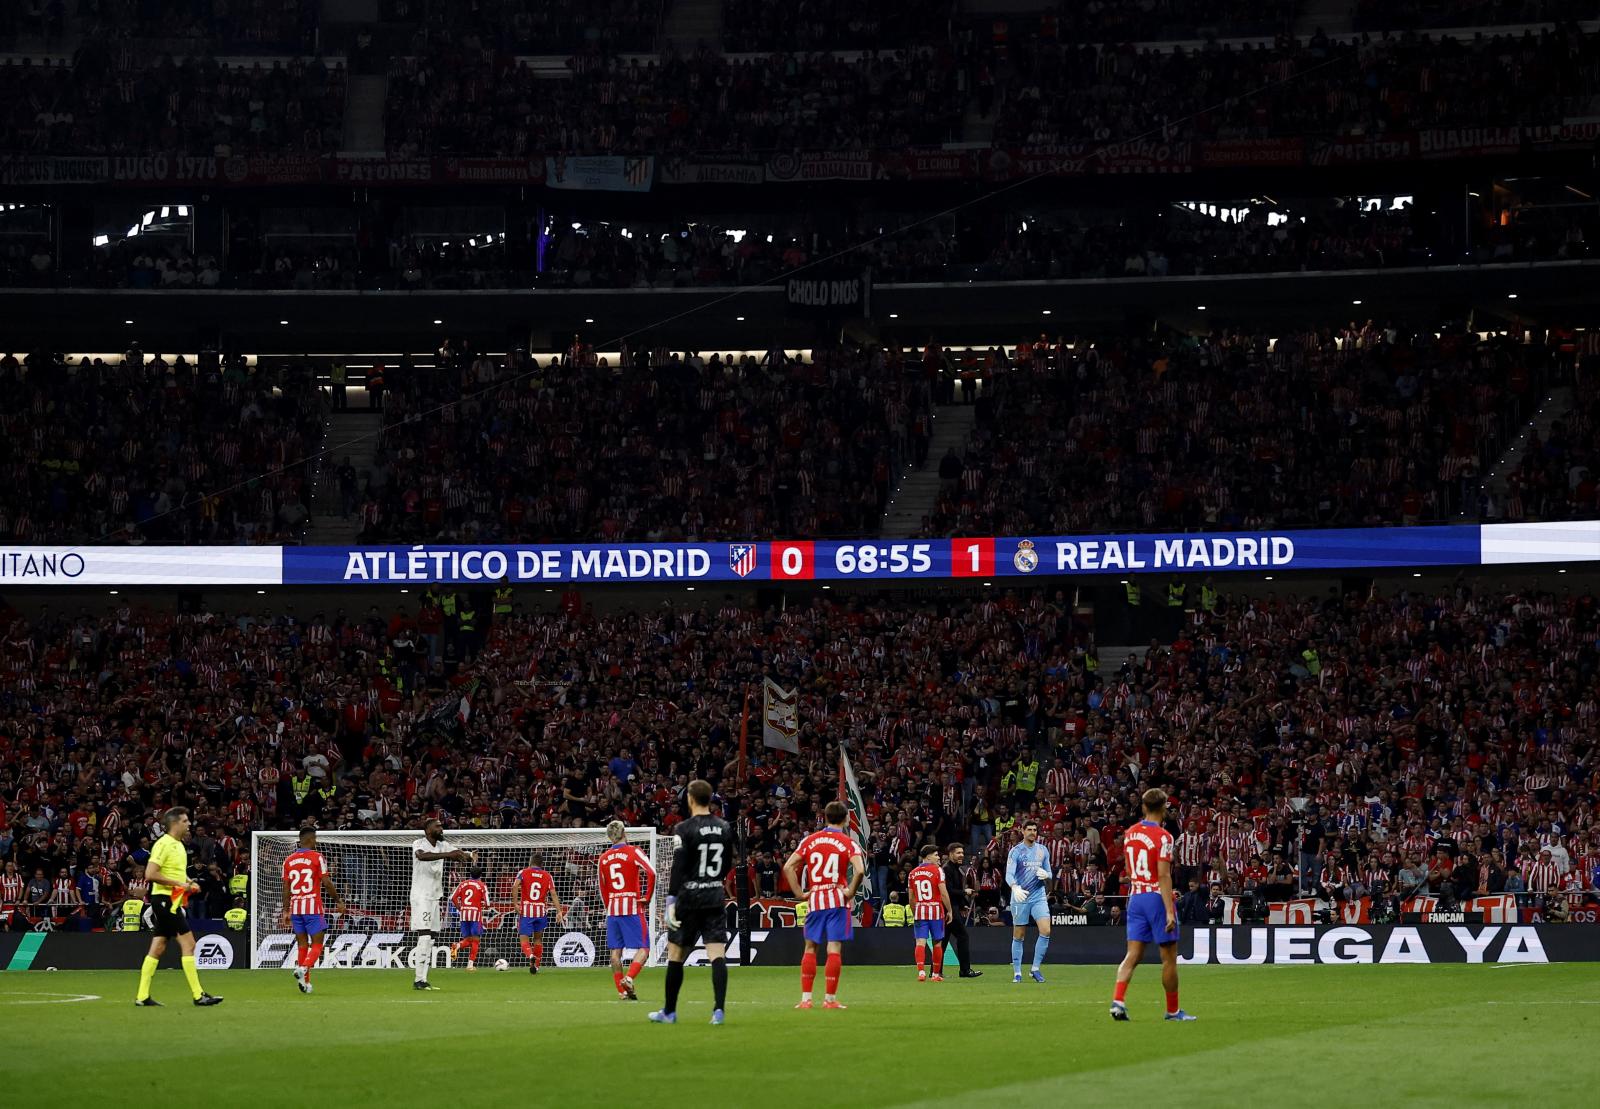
424,915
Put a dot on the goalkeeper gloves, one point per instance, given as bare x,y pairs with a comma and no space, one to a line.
672,914
1043,873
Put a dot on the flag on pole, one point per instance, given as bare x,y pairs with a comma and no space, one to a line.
860,830
780,717
744,733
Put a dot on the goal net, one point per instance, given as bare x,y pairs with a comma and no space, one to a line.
372,871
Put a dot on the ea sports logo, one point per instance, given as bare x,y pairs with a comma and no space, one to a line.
213,953
574,950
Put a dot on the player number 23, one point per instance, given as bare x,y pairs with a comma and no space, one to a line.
301,882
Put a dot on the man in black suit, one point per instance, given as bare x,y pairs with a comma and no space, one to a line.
960,906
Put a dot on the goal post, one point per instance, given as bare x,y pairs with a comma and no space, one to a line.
372,871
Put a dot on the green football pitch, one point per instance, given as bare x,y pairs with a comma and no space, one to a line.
1364,1035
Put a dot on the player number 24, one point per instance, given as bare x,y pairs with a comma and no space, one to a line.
823,868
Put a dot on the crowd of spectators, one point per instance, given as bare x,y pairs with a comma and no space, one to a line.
154,449
119,101
536,26
1367,744
460,98
750,26
1141,21
1388,15
284,26
1555,478
1359,426
660,446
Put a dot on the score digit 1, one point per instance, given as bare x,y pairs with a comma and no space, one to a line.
795,561
971,558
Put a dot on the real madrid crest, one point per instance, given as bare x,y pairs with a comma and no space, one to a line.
1026,560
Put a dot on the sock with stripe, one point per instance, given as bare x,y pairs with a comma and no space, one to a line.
192,975
938,959
538,953
635,967
616,977
831,974
922,957
147,971
527,947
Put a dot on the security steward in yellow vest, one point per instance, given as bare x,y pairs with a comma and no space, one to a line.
132,914
896,915
800,911
237,916
502,603
1131,588
1175,594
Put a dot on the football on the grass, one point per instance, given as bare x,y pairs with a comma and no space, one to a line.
501,964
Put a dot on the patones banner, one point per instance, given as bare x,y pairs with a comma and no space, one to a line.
1013,557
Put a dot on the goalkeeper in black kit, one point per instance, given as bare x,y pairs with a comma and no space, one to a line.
695,901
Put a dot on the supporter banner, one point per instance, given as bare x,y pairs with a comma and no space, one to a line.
808,560
600,173
780,717
1342,944
929,165
1354,151
1469,142
677,171
830,293
1230,153
823,165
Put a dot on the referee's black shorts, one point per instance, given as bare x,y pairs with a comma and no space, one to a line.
702,918
165,921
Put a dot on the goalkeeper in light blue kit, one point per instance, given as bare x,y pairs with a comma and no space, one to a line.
1028,874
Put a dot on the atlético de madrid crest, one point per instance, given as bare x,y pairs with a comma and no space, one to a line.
742,558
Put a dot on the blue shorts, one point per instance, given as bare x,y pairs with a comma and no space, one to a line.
930,929
623,932
1033,908
528,925
829,925
307,924
471,928
1147,919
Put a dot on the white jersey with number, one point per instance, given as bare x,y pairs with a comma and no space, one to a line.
427,878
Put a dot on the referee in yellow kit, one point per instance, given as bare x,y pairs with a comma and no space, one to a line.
168,873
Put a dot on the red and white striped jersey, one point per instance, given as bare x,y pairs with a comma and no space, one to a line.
303,872
1541,875
11,888
534,887
1147,846
622,866
825,858
470,898
926,882
1191,848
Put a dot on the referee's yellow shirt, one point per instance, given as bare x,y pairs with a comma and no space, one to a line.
172,859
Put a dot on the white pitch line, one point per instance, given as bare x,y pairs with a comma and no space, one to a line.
57,998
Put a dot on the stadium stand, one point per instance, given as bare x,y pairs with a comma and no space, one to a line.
1341,427
151,449
1432,731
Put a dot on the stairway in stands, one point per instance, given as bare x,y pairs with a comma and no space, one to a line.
351,433
919,489
689,23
